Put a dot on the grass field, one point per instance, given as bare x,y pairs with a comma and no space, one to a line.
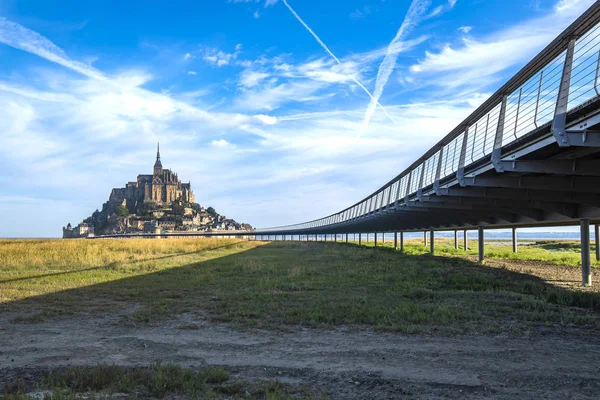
155,381
565,252
281,285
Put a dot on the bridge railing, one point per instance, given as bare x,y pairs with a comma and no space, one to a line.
526,102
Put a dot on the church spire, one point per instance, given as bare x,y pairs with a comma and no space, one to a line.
158,164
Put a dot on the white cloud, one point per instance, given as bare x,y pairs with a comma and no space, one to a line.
572,6
414,14
477,62
266,119
465,29
256,14
220,58
187,56
221,144
192,73
17,36
269,83
250,78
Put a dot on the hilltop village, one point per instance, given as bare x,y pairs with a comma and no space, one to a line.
156,203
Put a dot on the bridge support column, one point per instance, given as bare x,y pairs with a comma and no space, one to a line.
402,242
431,242
359,239
335,238
375,239
515,245
480,244
346,238
597,240
586,271
425,238
456,239
465,240
395,240
383,237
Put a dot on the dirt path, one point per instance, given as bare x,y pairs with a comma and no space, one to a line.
344,363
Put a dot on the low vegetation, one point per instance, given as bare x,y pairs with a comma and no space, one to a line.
565,252
152,382
282,285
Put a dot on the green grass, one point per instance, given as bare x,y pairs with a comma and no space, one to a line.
283,285
565,253
152,382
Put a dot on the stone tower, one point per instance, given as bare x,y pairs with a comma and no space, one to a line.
158,165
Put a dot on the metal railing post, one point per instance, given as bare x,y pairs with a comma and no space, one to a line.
537,103
438,172
460,172
517,115
408,181
497,151
420,188
559,123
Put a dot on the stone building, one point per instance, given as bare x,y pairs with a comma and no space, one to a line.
162,187
81,230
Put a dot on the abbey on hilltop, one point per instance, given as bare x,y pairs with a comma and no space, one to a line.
162,188
153,203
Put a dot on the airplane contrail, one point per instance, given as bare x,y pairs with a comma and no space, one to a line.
415,11
324,46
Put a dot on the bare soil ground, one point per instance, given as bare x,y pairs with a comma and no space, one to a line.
341,364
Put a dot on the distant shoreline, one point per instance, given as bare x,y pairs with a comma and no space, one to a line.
472,234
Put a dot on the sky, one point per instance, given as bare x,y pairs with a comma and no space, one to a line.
276,111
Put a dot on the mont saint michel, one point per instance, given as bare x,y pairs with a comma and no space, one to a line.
153,203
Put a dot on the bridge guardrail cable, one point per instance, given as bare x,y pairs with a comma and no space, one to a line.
531,98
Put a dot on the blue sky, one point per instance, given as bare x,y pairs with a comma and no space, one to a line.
276,111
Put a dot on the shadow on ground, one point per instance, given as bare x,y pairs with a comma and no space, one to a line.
282,285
